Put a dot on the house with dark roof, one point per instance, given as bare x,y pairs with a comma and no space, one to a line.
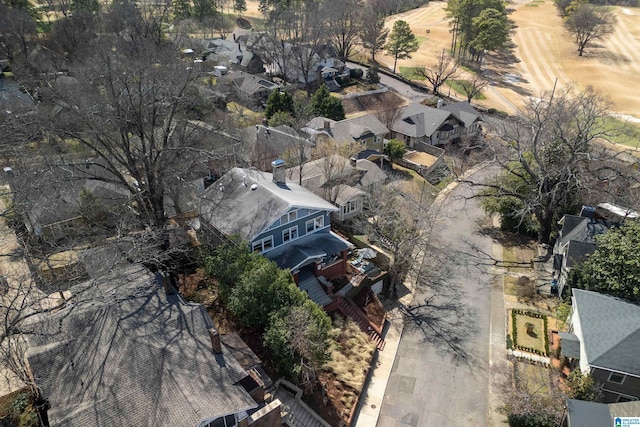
50,199
604,339
419,125
576,238
125,351
581,413
365,130
278,218
344,182
574,243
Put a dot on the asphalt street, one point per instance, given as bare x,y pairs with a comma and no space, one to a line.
440,374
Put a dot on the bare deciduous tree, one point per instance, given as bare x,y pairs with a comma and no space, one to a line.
549,159
472,88
439,72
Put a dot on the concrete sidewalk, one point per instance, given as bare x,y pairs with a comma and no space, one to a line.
376,384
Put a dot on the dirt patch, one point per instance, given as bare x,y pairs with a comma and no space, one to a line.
372,307
421,158
373,103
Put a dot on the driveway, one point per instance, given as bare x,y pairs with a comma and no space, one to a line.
440,374
397,86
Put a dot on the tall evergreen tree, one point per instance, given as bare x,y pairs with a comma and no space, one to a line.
402,42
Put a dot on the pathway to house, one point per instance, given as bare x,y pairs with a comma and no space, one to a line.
453,329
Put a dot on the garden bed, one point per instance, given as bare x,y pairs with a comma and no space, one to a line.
529,332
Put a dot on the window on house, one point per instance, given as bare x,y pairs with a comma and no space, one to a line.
288,217
290,234
616,378
351,206
262,245
314,224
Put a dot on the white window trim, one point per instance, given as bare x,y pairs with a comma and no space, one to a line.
356,206
289,217
624,377
315,226
289,230
262,244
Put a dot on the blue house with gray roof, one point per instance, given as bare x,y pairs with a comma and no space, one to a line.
604,338
281,220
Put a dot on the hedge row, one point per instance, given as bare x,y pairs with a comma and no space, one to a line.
514,331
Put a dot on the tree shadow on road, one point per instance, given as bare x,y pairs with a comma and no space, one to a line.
440,312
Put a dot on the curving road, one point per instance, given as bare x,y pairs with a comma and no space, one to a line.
440,374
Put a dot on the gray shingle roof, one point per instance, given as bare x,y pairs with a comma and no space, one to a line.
235,209
570,345
610,331
591,414
125,354
347,130
581,229
578,251
418,120
464,112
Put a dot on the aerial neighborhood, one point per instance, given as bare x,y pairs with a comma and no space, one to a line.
319,214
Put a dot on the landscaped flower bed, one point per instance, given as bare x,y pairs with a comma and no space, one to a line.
529,331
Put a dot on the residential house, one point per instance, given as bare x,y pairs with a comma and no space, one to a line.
470,118
50,199
574,243
581,413
419,125
229,53
604,336
265,143
328,69
125,350
344,182
280,219
365,130
576,239
250,89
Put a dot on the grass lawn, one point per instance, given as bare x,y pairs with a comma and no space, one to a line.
415,186
457,86
534,340
510,285
621,132
535,377
244,117
411,73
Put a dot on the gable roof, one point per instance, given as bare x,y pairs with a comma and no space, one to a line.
249,83
313,176
357,126
610,331
347,130
234,208
417,120
126,354
581,229
464,112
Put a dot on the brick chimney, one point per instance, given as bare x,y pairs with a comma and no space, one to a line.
279,172
327,125
216,345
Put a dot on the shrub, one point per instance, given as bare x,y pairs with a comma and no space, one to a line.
356,73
